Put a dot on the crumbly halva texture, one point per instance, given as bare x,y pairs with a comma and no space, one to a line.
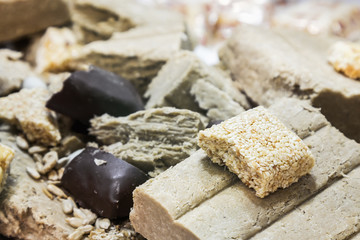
332,214
345,58
186,82
27,110
95,20
280,67
153,138
20,18
137,55
23,205
6,156
259,149
12,71
184,201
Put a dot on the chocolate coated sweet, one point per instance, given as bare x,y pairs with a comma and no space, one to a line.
100,181
95,92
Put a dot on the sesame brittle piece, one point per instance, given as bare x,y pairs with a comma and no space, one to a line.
27,110
258,148
345,58
6,156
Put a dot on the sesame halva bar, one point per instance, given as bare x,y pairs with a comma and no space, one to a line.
17,20
96,20
186,82
332,214
27,110
158,137
164,208
293,64
137,55
257,147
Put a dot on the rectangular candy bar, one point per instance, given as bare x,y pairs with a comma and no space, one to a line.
258,148
280,67
332,214
213,204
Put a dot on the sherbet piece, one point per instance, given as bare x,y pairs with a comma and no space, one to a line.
86,94
259,148
100,181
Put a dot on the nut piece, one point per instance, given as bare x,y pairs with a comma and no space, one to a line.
33,173
258,148
345,58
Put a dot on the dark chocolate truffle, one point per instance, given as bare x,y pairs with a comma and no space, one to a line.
95,92
101,182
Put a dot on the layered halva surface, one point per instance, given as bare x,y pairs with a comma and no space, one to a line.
111,127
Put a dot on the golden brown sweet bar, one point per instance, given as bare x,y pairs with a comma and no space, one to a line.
27,110
258,148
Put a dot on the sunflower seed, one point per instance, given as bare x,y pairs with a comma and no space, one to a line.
80,232
53,176
33,173
49,160
75,222
103,223
67,206
55,190
22,143
47,193
36,149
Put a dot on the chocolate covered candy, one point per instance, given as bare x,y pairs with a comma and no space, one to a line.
100,181
95,92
